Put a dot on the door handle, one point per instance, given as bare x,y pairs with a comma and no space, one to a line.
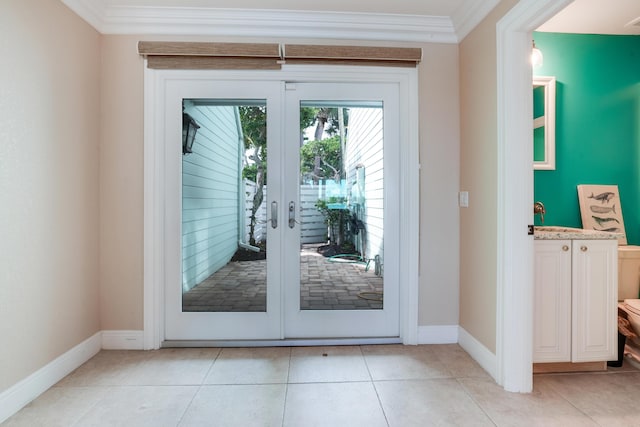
274,214
292,214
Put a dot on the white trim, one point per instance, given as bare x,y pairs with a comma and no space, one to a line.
20,394
548,120
122,340
442,334
514,317
153,223
410,210
481,354
154,244
467,16
280,343
277,23
206,21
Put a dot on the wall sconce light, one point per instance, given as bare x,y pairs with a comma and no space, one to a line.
189,130
536,56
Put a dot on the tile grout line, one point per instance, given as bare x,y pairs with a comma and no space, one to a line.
375,389
468,393
199,388
566,399
286,388
88,410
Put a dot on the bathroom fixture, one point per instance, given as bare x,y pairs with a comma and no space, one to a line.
536,56
538,209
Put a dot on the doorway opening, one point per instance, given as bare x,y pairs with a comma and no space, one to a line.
358,213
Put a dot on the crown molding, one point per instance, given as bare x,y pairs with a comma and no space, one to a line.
90,11
469,14
122,19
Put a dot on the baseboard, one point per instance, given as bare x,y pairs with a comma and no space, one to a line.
481,354
122,340
443,334
20,394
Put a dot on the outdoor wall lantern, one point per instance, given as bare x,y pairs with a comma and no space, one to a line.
189,129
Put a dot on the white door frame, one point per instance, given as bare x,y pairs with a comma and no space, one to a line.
384,322
514,334
155,247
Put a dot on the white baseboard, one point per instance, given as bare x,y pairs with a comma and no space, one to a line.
443,334
17,396
23,392
122,340
481,354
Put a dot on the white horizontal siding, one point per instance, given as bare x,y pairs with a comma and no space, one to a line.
365,147
210,194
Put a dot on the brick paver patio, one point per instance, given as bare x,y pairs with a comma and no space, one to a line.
325,285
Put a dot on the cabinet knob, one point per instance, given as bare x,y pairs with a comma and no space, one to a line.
565,248
583,248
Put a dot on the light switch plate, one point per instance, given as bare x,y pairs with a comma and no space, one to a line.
463,199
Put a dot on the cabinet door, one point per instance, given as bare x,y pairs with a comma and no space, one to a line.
595,296
552,301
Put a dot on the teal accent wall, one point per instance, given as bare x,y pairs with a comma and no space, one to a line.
597,123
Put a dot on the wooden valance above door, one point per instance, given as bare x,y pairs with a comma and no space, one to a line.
198,55
269,56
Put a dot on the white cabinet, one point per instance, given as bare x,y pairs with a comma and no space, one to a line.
575,301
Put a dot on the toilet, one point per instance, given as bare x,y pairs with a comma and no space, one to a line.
628,272
629,291
628,294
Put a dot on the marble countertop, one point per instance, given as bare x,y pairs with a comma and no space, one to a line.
570,233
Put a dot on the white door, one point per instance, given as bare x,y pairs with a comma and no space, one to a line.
344,284
209,294
318,258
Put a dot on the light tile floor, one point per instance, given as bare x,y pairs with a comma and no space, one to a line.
388,385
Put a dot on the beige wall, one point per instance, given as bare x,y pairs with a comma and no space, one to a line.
439,185
49,121
122,187
478,165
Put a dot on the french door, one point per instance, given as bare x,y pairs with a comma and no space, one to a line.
282,219
346,287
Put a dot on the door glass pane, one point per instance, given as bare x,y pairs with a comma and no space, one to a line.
341,205
224,185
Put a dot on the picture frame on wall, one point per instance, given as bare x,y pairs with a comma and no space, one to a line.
600,209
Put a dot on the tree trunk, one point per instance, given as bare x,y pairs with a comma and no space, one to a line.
317,172
257,200
322,118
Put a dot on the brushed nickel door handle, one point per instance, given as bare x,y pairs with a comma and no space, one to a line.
292,214
274,214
